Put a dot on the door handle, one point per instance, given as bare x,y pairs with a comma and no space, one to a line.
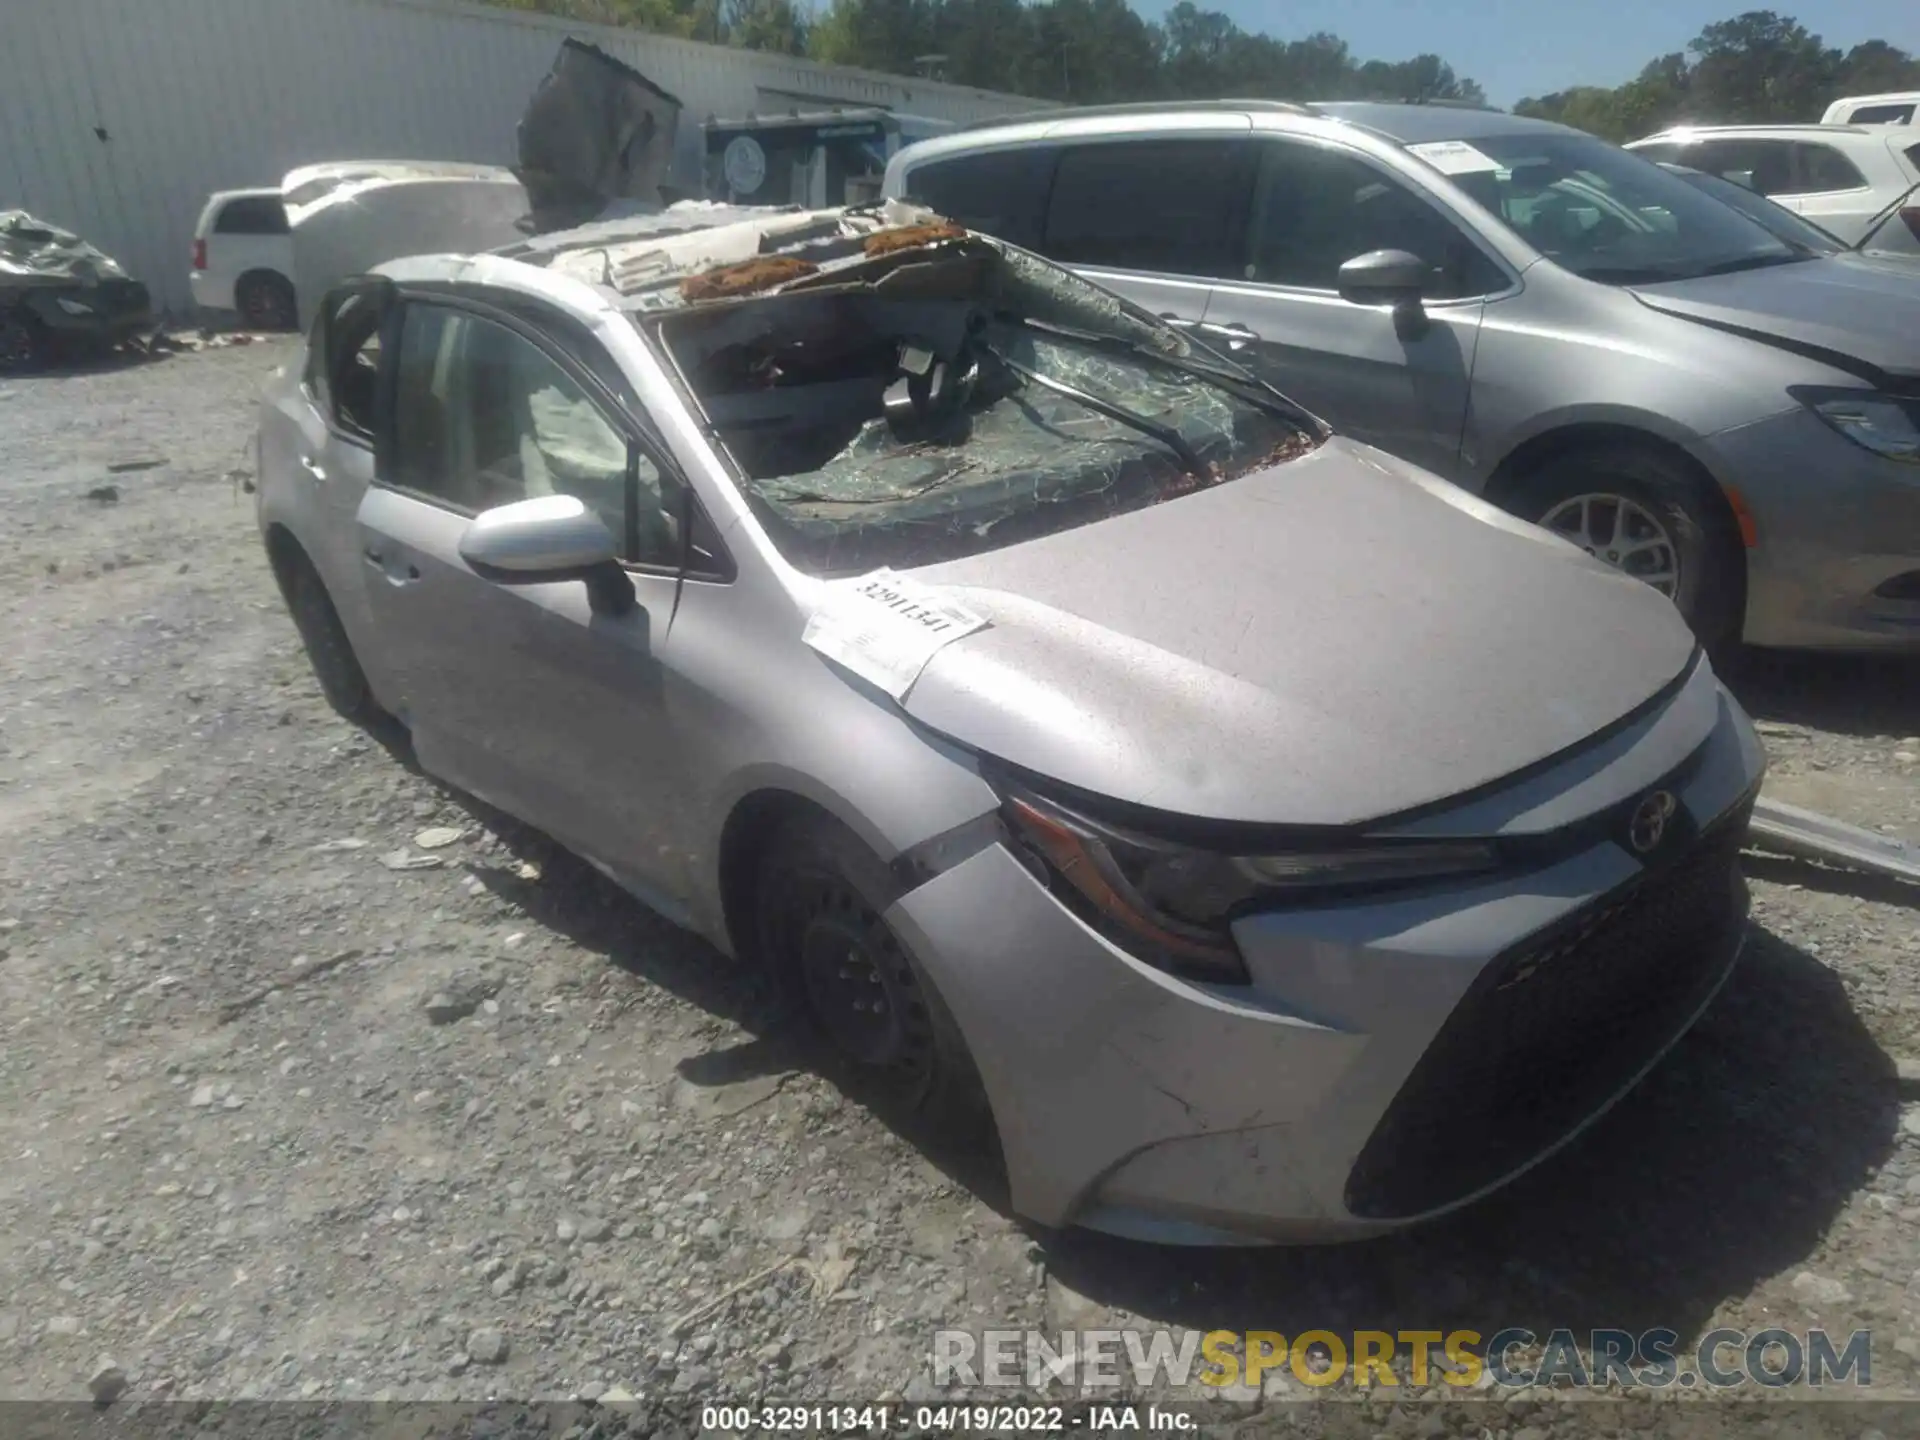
396,572
1236,335
313,467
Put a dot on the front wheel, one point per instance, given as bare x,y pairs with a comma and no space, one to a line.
819,901
24,343
1650,517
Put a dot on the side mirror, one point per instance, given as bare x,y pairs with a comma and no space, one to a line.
1384,277
548,538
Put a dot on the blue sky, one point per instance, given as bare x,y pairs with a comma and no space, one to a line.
1527,47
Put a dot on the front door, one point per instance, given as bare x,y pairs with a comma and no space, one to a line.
1157,220
1399,383
525,695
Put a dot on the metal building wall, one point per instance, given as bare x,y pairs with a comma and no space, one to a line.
119,117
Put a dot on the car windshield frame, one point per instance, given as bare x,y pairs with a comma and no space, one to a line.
1075,366
1624,245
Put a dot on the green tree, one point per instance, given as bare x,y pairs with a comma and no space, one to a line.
1873,66
764,25
1761,66
1756,67
664,17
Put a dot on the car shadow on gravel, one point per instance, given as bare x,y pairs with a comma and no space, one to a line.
1723,1169
1830,880
1867,695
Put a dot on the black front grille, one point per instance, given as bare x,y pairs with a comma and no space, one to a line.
123,296
1552,1028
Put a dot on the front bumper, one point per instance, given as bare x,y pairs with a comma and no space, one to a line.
1384,1066
1837,563
115,310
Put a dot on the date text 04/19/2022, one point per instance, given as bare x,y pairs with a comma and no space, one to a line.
942,1419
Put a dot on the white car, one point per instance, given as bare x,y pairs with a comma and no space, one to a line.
1842,177
243,258
1899,107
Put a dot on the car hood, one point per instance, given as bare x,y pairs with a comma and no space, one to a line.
1862,317
1334,640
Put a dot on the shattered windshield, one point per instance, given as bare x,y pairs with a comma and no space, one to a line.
961,398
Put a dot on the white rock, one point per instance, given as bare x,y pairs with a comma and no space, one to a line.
1820,1289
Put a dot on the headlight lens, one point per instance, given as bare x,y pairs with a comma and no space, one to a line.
72,307
1883,424
1173,905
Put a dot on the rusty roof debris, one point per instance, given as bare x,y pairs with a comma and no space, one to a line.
700,252
763,272
911,237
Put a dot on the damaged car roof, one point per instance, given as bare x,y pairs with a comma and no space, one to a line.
31,249
644,262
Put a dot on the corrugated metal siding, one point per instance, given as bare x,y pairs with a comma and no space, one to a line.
119,117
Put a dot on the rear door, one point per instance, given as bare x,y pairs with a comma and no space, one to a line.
1374,375
1834,191
320,440
526,695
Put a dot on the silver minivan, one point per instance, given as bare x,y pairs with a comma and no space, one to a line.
1529,311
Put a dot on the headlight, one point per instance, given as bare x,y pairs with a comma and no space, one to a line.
72,307
1172,905
1883,424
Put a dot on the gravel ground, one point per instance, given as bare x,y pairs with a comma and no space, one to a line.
280,1121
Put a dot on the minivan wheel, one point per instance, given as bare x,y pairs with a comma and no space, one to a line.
265,301
1648,516
329,651
818,906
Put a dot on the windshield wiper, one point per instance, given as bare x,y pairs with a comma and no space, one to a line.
1753,262
1190,460
1246,385
1879,217
1627,275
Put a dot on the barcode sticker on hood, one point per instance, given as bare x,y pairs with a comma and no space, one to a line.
886,628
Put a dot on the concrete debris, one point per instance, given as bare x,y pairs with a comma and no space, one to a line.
107,1383
404,859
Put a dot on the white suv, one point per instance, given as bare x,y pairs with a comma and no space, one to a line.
243,258
1843,177
1900,107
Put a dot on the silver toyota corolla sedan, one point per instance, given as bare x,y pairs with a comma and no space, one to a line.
1258,837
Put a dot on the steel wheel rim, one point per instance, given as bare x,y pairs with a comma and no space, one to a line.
1622,533
858,982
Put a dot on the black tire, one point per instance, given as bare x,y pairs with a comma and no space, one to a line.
25,346
818,899
329,651
265,301
1710,587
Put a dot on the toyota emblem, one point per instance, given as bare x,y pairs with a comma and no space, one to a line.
1649,824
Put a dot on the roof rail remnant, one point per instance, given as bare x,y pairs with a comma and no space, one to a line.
1141,107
